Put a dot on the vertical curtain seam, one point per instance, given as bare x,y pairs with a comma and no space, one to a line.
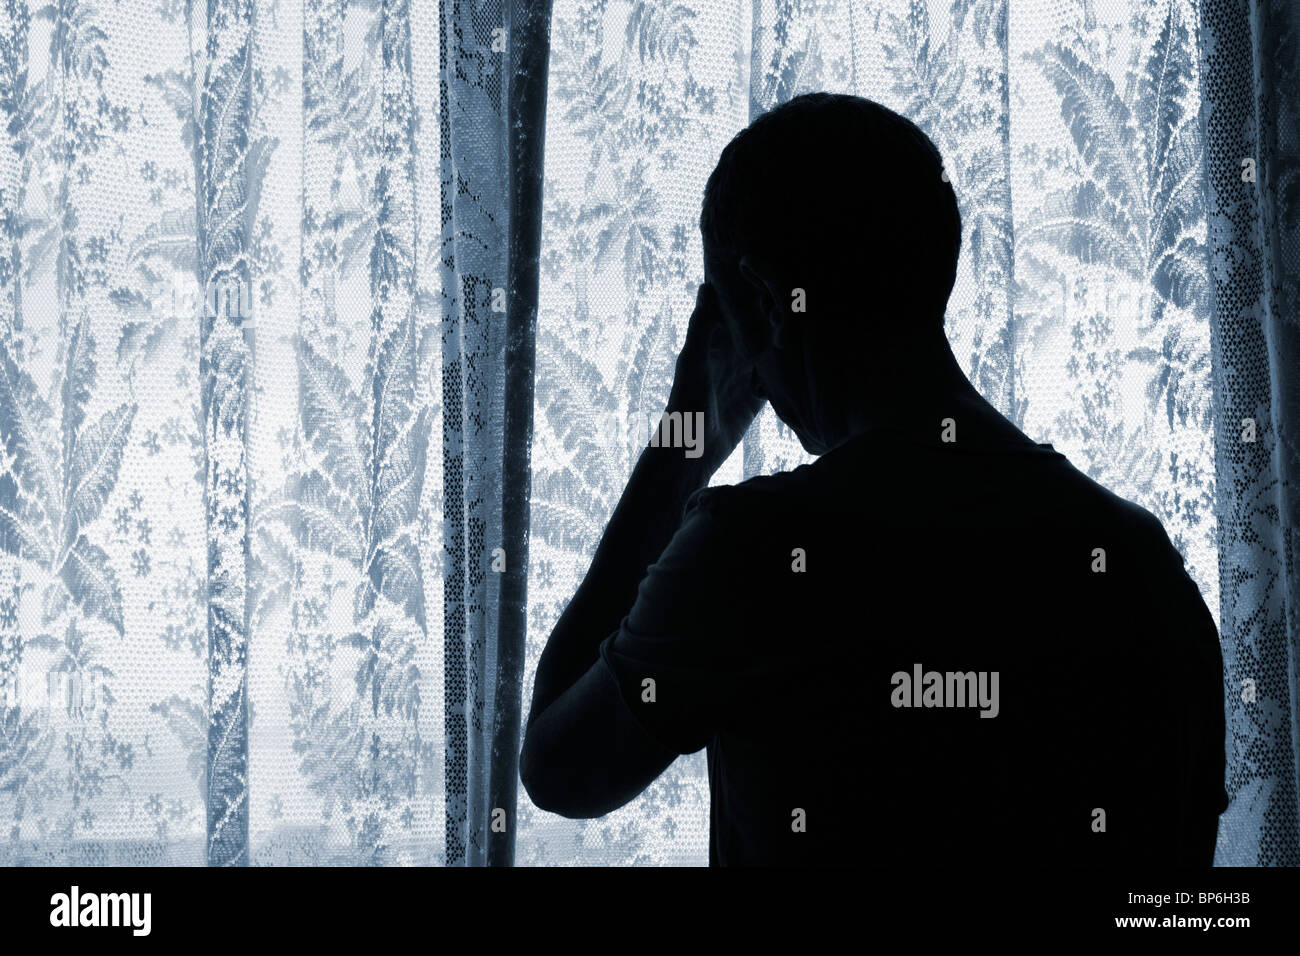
526,124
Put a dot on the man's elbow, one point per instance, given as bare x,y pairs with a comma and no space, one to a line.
540,781
554,787
530,773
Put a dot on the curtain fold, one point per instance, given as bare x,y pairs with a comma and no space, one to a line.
226,161
269,284
530,25
473,265
491,117
1251,116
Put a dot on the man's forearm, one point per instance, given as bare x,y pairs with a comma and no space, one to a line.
646,518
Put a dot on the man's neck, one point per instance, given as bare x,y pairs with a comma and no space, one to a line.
938,402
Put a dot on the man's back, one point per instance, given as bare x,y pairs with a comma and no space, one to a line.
914,652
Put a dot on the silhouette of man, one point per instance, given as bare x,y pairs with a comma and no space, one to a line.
937,643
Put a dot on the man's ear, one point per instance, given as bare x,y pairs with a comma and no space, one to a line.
769,295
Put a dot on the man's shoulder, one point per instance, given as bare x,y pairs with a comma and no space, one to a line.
751,491
1090,503
1045,492
762,498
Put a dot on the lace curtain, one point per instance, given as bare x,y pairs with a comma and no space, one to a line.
1251,113
269,277
1093,305
283,523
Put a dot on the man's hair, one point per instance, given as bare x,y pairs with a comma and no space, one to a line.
847,198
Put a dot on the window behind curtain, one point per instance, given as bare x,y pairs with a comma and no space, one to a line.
1070,135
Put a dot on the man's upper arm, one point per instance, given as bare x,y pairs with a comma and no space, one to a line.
585,755
1196,694
656,689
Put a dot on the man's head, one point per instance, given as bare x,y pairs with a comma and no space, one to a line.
845,200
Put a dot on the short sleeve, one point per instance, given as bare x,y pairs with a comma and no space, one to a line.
1195,674
674,656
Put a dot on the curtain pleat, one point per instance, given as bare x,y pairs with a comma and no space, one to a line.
1251,114
475,273
492,115
530,25
226,158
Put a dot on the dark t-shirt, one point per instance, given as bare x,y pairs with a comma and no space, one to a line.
911,652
